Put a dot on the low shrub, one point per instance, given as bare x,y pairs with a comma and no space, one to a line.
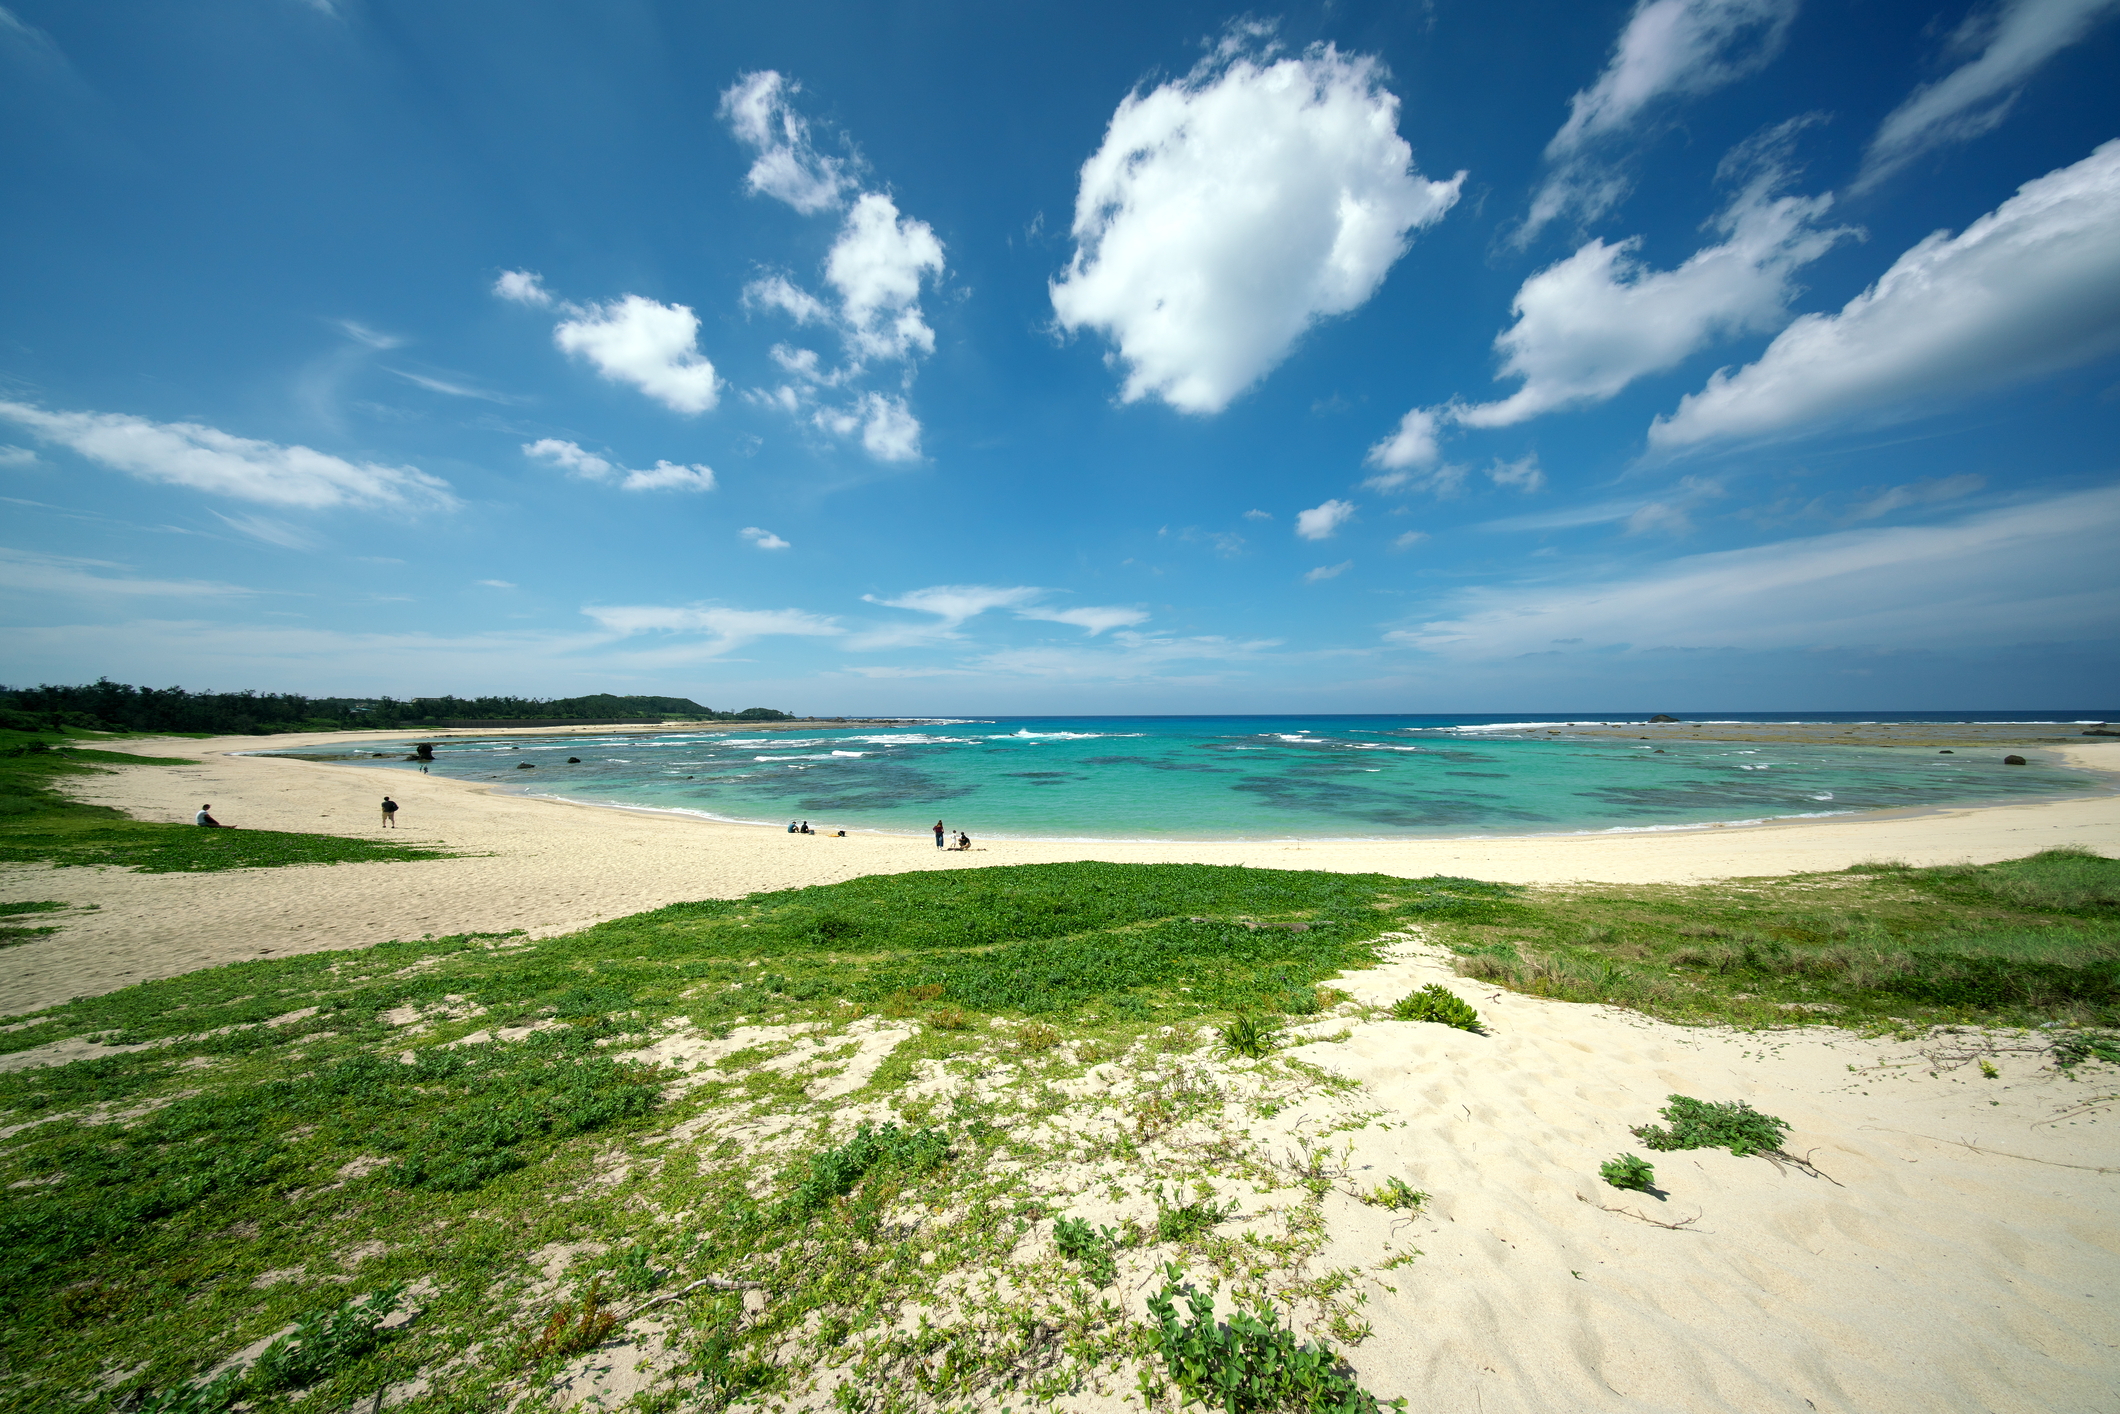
1703,1124
1438,1003
572,1328
1397,1194
1250,1364
1630,1171
835,1172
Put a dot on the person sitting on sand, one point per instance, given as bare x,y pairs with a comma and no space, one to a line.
964,841
389,813
204,818
791,827
806,828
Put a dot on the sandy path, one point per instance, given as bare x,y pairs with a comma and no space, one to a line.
548,867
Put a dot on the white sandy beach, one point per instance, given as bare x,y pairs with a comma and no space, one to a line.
548,867
1963,1255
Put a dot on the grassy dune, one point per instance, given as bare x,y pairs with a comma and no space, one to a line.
38,824
809,1141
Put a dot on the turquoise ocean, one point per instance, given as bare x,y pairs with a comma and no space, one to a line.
1249,778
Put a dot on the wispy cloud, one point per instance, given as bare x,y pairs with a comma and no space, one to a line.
764,539
33,572
587,466
2031,288
1324,521
208,459
1328,572
1669,49
1981,580
2015,38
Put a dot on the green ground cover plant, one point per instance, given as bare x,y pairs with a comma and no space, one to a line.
1439,1004
1248,1364
1880,946
39,824
447,1114
1704,1124
1628,1171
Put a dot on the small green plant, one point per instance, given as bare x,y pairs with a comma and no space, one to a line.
1438,1003
212,1398
1629,1171
833,1173
1702,1124
1092,1247
1035,1036
636,1270
2073,1048
1181,1222
1246,1036
1250,1364
1987,1068
325,1342
1396,1193
573,1327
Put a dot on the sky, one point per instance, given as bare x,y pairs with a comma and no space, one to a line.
941,359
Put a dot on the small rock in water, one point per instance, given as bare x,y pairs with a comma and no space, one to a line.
1946,752
2013,760
1660,717
525,766
574,760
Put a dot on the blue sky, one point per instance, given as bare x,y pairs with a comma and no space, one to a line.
909,359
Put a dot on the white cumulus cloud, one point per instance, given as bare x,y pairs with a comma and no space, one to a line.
1589,325
1328,572
653,346
1321,522
1669,48
522,287
889,431
877,265
208,459
663,476
781,293
1412,443
2014,39
2028,289
1522,475
788,167
764,539
1227,212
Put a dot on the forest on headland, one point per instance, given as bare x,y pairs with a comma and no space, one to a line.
115,706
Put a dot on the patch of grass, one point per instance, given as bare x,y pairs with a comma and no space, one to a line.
294,1108
1439,1004
2073,1048
11,910
1629,1171
2019,943
1704,1124
39,824
1246,1037
1249,1364
1396,1193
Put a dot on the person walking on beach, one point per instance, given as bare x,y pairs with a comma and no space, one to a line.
205,818
389,813
938,834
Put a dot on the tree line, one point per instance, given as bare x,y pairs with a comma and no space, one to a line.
115,706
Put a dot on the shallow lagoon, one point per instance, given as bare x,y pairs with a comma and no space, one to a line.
1240,777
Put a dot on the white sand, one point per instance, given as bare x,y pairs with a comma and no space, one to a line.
547,867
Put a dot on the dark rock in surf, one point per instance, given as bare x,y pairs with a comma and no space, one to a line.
2013,760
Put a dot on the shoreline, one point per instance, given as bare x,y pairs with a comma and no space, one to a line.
548,866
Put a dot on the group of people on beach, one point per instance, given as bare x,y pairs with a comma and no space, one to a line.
804,829
964,841
204,819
